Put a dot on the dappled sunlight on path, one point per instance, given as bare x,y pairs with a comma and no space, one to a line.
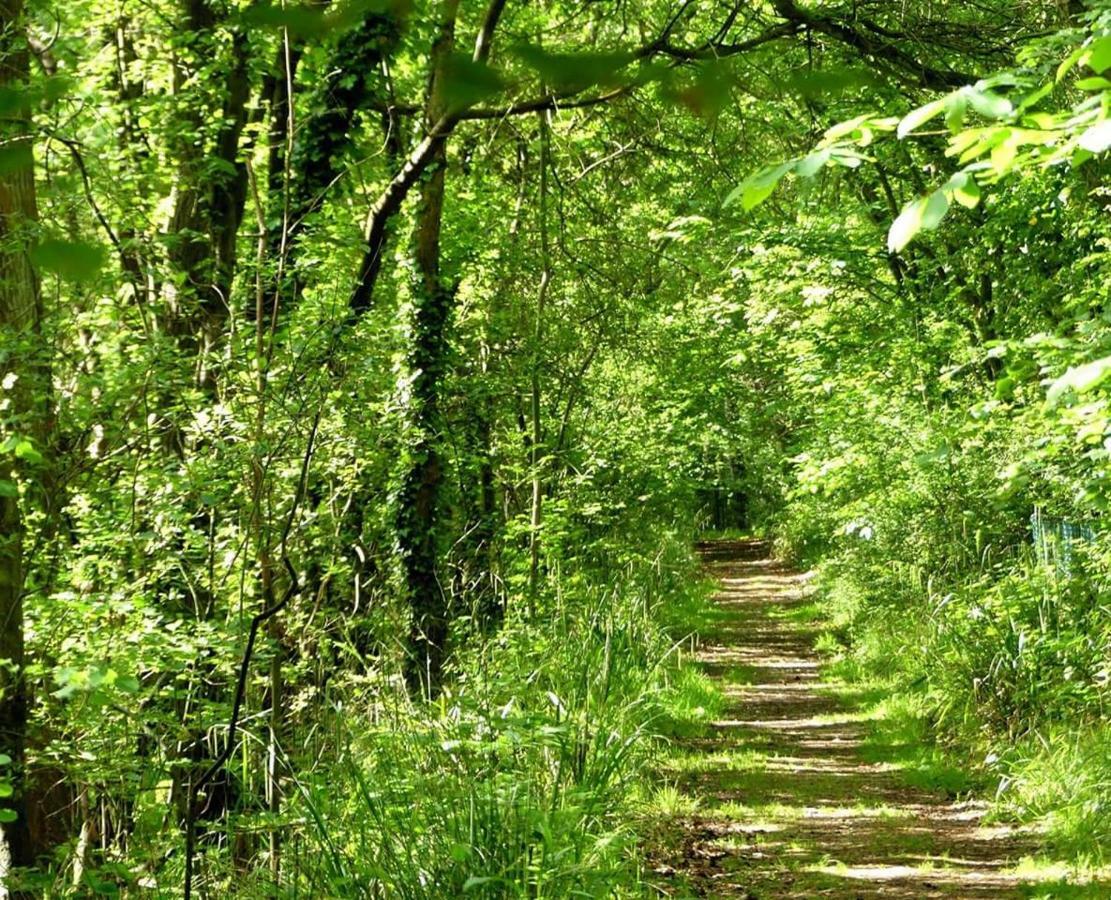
789,795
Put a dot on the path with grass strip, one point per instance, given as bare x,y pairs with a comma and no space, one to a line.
794,792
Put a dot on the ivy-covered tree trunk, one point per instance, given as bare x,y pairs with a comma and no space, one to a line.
20,335
418,500
211,188
355,78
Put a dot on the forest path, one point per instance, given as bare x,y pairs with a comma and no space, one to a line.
794,792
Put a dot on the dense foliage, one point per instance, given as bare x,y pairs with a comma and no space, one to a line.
368,368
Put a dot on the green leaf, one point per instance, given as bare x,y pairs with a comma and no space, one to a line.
920,116
8,489
1099,83
955,112
8,815
5,760
1069,61
937,205
466,82
26,451
989,105
475,881
814,163
312,20
1035,97
828,82
574,71
906,226
57,86
1099,54
755,190
709,91
1079,379
301,21
71,260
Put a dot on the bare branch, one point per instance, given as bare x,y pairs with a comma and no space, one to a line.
879,50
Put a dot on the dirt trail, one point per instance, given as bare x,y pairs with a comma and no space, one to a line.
791,795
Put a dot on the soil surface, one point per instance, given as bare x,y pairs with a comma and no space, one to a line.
790,795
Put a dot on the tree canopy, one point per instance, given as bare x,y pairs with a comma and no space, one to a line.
369,367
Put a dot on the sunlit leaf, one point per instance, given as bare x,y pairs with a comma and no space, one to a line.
1097,138
955,113
906,226
937,205
810,165
1079,379
920,117
842,129
989,105
847,158
1098,56
965,190
1003,156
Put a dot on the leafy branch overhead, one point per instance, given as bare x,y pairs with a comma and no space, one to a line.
1019,127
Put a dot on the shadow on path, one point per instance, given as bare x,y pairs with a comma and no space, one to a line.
790,798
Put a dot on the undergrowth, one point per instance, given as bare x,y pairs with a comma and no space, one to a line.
994,684
526,777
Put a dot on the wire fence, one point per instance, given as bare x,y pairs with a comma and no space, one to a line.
1055,541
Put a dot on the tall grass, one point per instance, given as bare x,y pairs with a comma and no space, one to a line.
519,781
1008,661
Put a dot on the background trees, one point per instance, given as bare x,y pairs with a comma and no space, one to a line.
421,336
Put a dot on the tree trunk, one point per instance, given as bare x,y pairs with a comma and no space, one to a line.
209,195
536,447
20,373
420,486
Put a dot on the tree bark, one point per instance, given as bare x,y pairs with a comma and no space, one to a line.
20,374
420,484
210,195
